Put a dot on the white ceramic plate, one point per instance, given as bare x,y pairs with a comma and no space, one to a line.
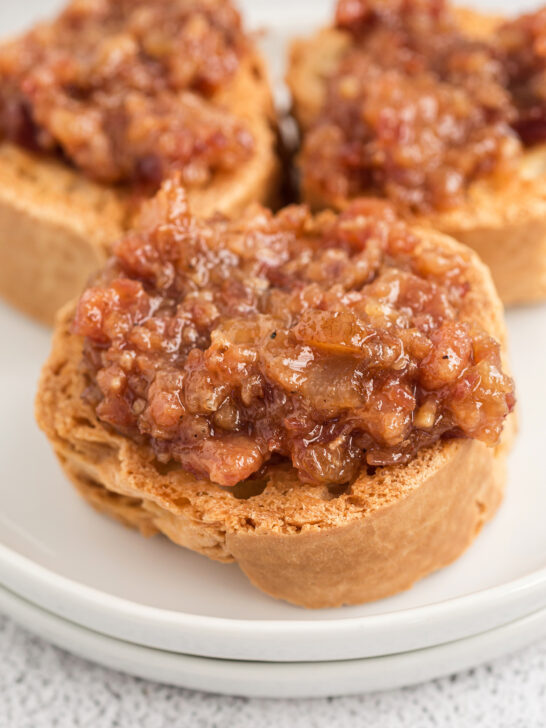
57,552
270,679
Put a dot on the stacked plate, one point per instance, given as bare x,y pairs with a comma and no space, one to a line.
158,611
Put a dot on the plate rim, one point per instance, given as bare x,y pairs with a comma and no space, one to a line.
60,594
282,680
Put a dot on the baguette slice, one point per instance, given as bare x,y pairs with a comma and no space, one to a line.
504,220
56,225
314,546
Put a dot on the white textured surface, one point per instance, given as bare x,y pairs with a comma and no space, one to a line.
43,687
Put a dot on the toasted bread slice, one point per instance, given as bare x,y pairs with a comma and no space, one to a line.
311,545
56,225
504,220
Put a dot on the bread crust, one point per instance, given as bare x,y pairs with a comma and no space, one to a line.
56,226
310,545
504,220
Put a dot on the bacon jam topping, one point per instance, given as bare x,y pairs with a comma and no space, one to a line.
334,343
121,89
417,110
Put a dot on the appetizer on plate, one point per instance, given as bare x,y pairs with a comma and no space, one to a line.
97,107
440,110
321,399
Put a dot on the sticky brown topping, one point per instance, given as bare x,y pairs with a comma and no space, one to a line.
524,43
417,111
331,342
120,89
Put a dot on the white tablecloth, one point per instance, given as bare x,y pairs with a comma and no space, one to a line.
44,687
